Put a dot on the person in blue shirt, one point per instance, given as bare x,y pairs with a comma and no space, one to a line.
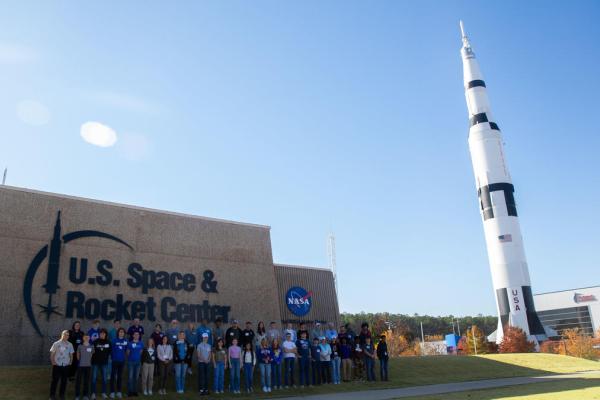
182,354
173,332
331,333
315,362
94,331
202,329
136,327
118,349
134,357
303,346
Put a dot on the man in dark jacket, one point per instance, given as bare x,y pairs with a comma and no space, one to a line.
102,350
233,332
382,354
247,335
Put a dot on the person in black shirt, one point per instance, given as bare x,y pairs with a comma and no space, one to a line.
102,349
233,332
382,354
303,329
247,335
76,338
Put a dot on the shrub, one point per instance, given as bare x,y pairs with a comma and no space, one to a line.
515,341
579,345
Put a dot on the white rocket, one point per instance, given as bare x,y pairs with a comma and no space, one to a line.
510,275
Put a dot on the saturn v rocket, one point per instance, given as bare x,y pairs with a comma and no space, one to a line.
510,275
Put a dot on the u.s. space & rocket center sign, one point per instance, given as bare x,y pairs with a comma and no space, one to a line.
138,281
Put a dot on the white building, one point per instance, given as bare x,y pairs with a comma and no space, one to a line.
568,309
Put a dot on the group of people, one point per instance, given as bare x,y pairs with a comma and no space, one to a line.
285,358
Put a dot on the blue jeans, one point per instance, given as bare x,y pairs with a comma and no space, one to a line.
336,369
133,372
325,367
316,372
180,370
248,372
203,376
265,375
219,377
369,366
108,369
289,370
303,363
383,369
102,368
116,376
234,375
276,374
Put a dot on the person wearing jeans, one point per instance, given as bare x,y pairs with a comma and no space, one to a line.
204,354
118,350
382,354
335,361
220,362
303,347
315,362
134,358
235,353
100,360
165,357
182,353
289,359
84,357
249,362
265,357
61,357
276,364
369,355
325,362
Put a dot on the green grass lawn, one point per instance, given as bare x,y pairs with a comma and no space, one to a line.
33,382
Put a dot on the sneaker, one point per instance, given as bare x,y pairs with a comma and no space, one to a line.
145,393
93,396
112,395
286,387
119,395
269,390
149,392
77,398
104,396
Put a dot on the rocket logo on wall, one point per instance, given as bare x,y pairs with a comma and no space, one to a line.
51,286
506,254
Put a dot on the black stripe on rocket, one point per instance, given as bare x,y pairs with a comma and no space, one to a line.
481,118
533,321
485,199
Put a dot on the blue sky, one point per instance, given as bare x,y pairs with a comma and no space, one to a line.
314,117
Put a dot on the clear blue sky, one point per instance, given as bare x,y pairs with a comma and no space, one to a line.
318,116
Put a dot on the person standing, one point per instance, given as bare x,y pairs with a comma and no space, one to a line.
325,361
315,364
289,359
273,333
84,357
134,358
261,333
94,331
233,332
289,328
157,335
382,354
303,329
303,346
249,361
276,364
234,356
369,356
331,333
193,339
202,329
182,353
165,357
247,336
364,334
61,357
136,327
265,357
118,350
336,360
173,332
346,354
218,331
112,333
75,338
148,363
316,332
100,358
204,355
220,363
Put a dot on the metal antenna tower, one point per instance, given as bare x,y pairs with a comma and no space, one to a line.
332,262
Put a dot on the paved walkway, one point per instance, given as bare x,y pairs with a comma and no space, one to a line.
386,394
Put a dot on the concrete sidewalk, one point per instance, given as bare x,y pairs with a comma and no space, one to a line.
386,394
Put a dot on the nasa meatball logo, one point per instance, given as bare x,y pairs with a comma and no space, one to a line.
78,304
298,301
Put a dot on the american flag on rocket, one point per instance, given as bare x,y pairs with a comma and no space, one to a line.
505,238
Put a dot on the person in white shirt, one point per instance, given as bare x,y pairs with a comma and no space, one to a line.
61,357
289,359
164,352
